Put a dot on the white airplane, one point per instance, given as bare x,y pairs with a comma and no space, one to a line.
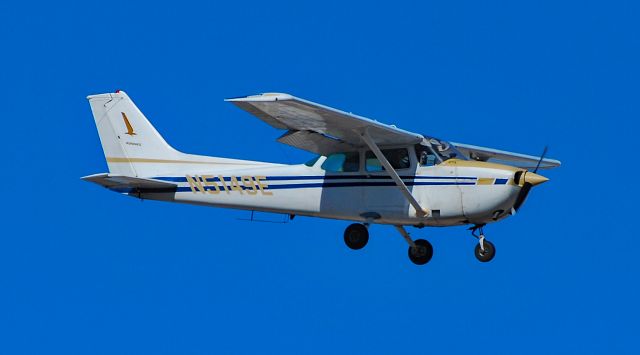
365,171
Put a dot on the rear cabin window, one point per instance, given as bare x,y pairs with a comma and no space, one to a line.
342,162
312,162
399,159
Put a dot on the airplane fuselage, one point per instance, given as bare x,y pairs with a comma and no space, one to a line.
456,192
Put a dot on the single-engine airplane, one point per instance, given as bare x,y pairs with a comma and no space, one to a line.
364,171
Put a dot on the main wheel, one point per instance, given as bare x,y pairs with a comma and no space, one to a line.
488,253
356,236
422,253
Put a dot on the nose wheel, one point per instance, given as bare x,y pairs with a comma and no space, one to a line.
487,254
485,250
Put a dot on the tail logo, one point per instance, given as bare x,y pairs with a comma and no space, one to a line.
128,124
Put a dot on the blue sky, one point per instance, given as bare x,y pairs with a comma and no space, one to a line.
85,271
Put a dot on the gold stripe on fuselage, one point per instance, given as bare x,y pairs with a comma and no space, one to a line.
479,164
485,181
165,161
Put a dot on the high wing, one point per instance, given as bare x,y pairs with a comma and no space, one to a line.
503,157
324,130
317,128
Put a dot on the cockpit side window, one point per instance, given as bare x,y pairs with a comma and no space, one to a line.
426,156
342,162
399,159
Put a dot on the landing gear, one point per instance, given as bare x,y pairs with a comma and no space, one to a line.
485,250
356,236
420,250
421,253
487,254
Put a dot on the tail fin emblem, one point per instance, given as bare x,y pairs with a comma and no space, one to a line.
128,124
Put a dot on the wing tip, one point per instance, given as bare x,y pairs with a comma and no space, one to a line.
268,96
553,163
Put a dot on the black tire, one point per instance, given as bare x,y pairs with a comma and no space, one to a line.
422,253
488,254
356,236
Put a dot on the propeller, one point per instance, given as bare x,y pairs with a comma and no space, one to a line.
526,187
544,152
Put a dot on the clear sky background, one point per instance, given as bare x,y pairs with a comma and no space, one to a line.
86,271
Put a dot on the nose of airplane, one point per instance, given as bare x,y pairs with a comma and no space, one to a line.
534,179
526,179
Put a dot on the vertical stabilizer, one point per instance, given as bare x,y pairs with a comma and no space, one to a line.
126,135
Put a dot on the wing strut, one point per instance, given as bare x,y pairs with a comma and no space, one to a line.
420,211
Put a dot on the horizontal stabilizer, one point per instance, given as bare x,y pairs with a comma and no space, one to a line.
111,181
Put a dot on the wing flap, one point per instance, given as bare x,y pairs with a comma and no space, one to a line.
315,142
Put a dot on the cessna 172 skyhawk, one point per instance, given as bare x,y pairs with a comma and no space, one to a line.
365,171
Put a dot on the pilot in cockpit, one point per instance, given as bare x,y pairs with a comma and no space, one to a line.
426,157
445,151
434,150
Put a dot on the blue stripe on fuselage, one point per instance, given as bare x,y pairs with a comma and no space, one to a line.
501,181
315,185
328,177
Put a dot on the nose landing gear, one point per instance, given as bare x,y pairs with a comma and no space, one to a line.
485,250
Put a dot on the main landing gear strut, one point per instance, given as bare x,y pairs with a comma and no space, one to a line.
356,237
485,250
420,250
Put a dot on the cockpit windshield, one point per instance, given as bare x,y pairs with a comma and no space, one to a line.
443,149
